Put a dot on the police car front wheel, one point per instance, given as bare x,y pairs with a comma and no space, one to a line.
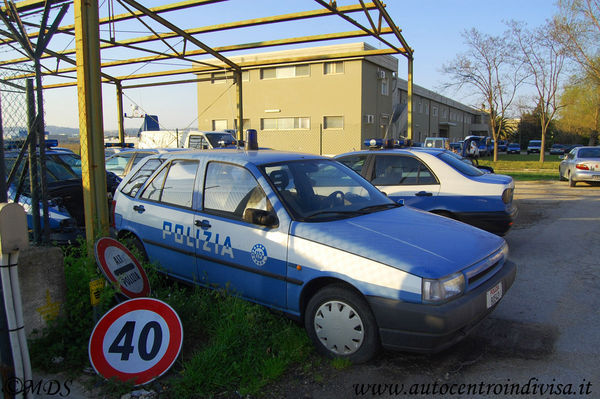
341,324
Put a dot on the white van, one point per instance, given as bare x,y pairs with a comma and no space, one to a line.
436,142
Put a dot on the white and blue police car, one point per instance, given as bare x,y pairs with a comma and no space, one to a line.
438,181
306,235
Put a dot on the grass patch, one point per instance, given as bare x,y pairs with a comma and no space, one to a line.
230,346
524,167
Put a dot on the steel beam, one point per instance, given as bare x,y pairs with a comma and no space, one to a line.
91,129
220,27
180,32
223,49
120,114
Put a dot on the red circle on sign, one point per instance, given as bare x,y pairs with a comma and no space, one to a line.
164,363
105,243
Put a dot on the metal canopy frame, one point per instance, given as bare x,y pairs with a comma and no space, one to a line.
69,71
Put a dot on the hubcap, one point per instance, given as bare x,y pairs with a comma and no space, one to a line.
339,327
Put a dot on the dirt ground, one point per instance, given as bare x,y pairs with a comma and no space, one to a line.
542,339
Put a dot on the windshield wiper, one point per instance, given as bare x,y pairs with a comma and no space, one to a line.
373,208
319,213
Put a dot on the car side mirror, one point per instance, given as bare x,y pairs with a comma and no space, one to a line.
260,217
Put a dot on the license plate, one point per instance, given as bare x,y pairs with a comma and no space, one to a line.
494,295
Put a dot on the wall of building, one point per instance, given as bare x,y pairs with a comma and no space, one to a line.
330,100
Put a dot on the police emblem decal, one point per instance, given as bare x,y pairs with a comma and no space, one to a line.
259,254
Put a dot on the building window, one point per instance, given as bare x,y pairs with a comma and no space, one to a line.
445,114
285,72
333,122
285,123
219,124
434,111
420,106
245,76
426,109
333,68
385,86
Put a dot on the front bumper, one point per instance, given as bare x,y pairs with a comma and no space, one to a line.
430,328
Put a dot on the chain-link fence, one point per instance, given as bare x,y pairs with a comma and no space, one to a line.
13,99
20,172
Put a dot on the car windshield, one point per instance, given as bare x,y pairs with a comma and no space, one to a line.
215,138
321,189
458,163
72,160
55,172
535,142
589,153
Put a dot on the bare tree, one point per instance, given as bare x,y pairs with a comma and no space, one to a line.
544,58
577,28
489,69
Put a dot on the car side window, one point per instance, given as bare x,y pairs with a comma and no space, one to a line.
231,189
354,162
395,170
136,182
198,142
174,184
117,163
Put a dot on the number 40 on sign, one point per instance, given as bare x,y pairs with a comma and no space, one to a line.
137,340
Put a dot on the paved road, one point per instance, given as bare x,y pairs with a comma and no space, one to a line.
545,331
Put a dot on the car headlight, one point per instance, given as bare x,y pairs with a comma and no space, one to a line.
441,290
507,195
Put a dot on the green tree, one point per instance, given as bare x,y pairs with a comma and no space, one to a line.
581,108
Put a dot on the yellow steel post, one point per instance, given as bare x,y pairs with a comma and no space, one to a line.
240,106
91,130
120,112
409,132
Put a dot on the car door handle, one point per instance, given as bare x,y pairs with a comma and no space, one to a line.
139,208
204,224
423,194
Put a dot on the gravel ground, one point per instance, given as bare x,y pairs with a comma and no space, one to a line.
543,336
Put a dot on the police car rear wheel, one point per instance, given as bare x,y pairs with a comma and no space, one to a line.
341,324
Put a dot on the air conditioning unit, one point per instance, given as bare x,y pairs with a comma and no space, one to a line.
370,118
380,74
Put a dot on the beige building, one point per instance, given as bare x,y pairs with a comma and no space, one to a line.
437,116
324,107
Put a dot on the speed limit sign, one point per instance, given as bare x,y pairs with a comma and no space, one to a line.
137,340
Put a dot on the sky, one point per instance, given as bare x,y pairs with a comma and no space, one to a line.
432,28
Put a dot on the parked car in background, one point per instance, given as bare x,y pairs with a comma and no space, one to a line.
307,236
65,197
513,148
581,164
534,146
456,147
437,142
438,181
502,145
569,147
122,162
557,149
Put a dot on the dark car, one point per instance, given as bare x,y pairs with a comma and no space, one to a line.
557,149
502,145
65,197
513,148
